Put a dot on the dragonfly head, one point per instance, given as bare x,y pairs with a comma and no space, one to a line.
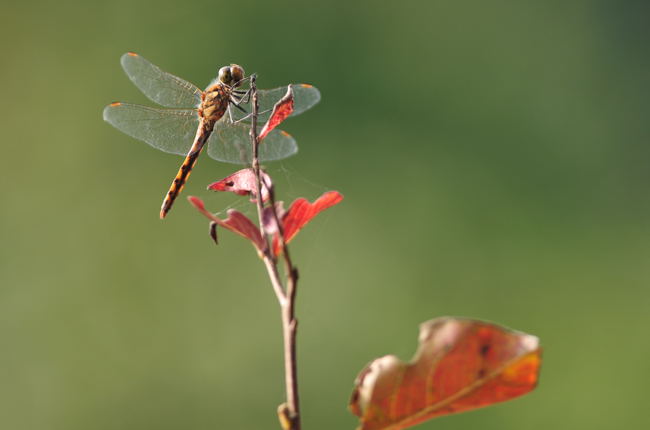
231,75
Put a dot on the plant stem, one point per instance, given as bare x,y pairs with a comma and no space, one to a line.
289,412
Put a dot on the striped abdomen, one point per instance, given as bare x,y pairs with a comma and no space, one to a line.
202,135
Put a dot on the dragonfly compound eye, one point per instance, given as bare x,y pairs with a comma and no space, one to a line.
237,73
225,75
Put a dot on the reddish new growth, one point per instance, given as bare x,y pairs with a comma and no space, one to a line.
236,222
282,109
243,183
300,213
293,220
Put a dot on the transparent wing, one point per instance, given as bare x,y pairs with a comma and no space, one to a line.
159,86
170,130
231,143
305,97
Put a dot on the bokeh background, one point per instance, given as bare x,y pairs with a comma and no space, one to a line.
494,158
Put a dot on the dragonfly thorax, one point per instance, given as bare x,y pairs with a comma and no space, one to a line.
214,102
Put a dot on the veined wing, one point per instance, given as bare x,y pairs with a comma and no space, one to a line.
159,86
170,130
231,143
305,96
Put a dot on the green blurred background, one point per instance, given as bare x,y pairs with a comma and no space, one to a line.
494,160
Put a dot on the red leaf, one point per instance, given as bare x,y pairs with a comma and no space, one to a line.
461,364
282,109
301,212
236,222
239,223
197,203
242,183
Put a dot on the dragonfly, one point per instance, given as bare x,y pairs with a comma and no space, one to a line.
191,119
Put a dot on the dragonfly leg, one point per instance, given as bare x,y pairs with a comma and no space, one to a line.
238,83
247,96
241,98
238,107
244,118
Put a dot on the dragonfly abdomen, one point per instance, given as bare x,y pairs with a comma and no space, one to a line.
186,168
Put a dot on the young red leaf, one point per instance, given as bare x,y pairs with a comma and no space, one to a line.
301,212
198,204
460,364
236,222
282,109
242,183
239,223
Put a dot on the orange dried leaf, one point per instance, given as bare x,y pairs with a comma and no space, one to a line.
460,364
282,109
